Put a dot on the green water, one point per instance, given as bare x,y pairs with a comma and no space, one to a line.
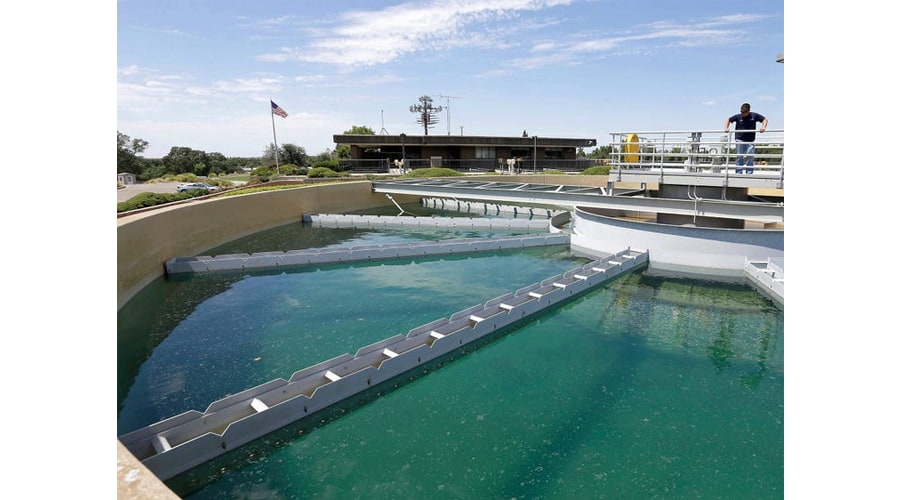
645,387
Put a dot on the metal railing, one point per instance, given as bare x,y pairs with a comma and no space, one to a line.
379,166
526,165
711,151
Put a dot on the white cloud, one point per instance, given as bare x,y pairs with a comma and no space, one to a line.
716,31
129,70
249,85
370,38
141,91
555,59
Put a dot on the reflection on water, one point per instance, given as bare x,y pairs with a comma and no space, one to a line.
647,386
297,236
720,351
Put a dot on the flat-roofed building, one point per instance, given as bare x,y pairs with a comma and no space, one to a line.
466,152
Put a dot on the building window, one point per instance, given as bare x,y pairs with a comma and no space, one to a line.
485,153
554,153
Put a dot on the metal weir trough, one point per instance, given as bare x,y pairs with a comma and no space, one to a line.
767,277
182,442
382,221
313,256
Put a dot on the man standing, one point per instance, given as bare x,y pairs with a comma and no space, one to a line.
746,120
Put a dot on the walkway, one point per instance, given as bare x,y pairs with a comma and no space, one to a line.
567,197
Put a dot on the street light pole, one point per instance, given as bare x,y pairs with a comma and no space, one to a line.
534,163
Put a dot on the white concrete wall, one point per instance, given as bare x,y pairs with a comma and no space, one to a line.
682,249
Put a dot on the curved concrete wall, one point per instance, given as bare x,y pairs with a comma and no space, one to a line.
147,240
682,249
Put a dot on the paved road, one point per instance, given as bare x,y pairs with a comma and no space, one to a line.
134,189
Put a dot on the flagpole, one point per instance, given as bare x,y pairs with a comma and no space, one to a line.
274,139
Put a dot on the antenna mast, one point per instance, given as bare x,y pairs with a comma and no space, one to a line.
383,131
448,97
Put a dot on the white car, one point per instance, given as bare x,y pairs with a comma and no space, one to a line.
196,185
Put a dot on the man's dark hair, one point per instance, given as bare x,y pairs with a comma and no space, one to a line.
745,107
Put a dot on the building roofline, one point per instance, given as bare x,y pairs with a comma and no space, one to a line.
461,140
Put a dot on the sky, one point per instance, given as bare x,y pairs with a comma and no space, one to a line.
200,74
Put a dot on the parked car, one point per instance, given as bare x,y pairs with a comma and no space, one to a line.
196,185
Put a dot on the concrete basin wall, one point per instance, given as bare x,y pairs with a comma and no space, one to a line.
147,240
687,250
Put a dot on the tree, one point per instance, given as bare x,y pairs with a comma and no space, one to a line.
326,155
602,152
153,168
427,112
217,163
342,151
182,160
287,153
359,130
268,155
127,154
292,153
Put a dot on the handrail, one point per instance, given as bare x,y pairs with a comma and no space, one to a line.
694,150
522,165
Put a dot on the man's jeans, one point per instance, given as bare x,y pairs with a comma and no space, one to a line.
745,151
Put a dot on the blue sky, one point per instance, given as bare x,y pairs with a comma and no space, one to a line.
200,73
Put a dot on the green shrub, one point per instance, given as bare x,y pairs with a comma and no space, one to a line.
601,170
553,171
330,164
325,172
182,178
222,183
257,179
144,200
432,172
263,171
289,169
212,180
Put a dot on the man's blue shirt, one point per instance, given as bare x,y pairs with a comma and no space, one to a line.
746,123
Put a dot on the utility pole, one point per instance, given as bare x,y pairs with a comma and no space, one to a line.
448,97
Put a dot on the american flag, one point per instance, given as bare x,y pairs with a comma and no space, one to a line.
276,109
